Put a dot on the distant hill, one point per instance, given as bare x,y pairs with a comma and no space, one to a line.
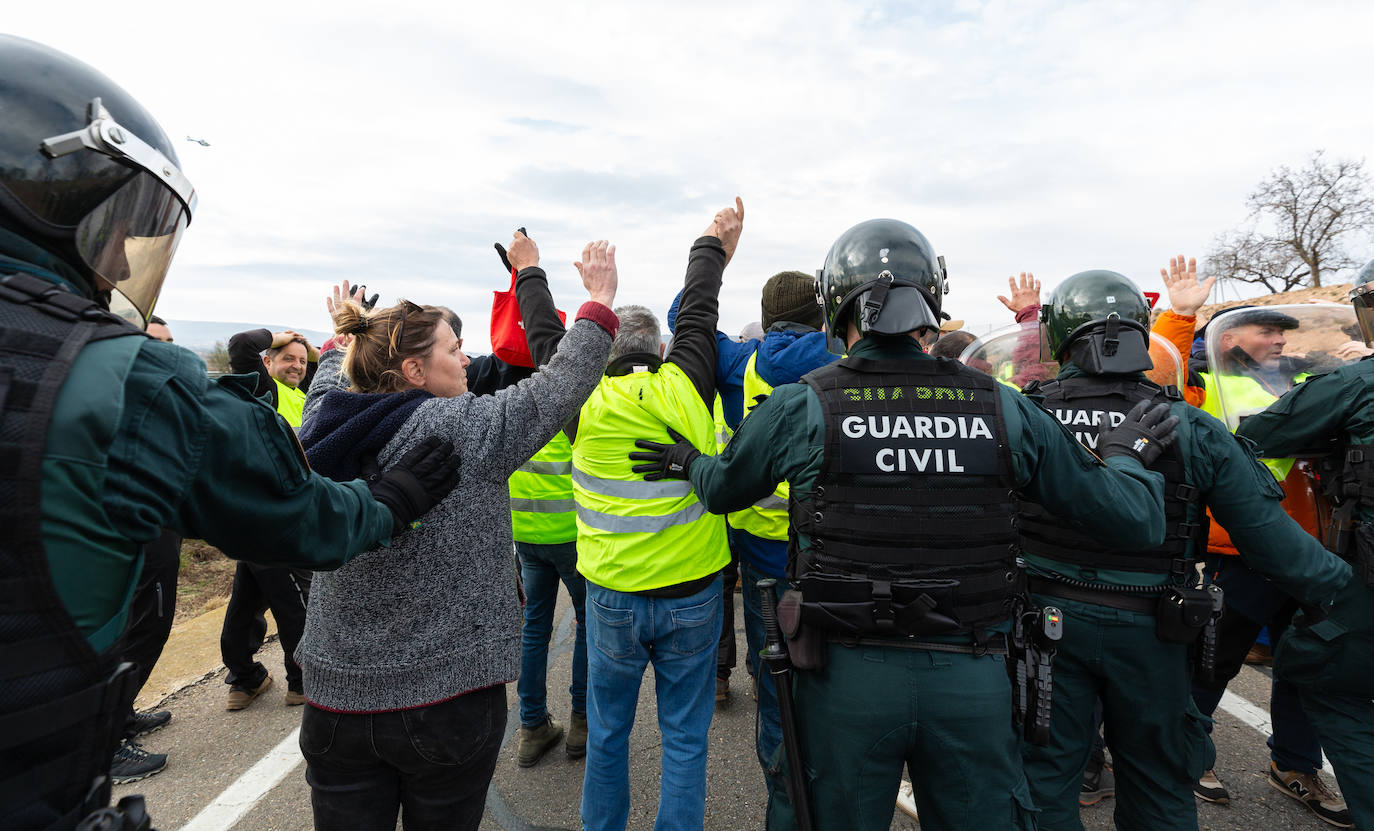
201,335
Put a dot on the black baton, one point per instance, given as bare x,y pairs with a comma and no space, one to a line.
774,657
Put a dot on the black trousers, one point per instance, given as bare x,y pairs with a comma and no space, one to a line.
154,605
285,591
433,764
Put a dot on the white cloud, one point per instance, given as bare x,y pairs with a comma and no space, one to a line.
394,145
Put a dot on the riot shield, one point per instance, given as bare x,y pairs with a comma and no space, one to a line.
1012,355
1256,354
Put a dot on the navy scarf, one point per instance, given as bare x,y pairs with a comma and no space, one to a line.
352,426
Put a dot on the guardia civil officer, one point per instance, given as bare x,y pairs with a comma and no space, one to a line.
1131,612
902,469
109,436
1330,656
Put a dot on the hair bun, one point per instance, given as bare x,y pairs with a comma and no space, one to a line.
359,328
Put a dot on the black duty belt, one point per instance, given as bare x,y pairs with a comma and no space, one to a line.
995,645
1146,604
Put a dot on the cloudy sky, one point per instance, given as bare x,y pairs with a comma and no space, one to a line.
392,143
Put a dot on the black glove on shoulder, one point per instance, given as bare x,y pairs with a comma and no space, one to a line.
1145,434
665,461
423,476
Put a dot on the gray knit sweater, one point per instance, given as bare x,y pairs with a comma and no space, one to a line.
436,615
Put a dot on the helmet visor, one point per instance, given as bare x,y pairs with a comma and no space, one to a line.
130,238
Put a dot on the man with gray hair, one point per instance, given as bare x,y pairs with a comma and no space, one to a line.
650,553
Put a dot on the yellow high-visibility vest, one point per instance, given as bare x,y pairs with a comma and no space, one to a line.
767,518
1244,392
541,496
634,535
290,403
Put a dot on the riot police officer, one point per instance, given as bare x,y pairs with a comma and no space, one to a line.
1131,612
1329,656
109,436
903,567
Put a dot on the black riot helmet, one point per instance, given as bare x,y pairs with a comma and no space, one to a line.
1100,320
88,175
1362,298
881,276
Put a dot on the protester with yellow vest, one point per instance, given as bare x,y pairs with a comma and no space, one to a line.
284,363
1255,374
650,552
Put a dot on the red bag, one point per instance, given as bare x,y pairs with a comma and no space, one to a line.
508,331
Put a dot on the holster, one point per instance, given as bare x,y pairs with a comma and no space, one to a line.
1182,614
858,606
806,645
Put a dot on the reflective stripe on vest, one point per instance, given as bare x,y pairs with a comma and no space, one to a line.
634,535
1242,391
767,518
290,403
542,510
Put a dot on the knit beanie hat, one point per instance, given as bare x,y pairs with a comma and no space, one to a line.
791,296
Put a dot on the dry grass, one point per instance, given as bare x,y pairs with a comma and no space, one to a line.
206,579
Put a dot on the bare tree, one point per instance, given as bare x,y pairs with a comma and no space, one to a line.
1306,212
217,359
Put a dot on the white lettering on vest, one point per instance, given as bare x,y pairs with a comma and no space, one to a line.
894,460
923,427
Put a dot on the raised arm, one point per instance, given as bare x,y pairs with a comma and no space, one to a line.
694,338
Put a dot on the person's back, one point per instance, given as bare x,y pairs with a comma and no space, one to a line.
1131,614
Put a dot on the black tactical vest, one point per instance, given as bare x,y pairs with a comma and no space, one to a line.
62,705
912,518
1082,405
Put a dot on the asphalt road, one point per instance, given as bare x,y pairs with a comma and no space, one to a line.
211,750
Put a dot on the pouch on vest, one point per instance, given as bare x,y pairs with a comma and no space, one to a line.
1182,614
805,644
861,606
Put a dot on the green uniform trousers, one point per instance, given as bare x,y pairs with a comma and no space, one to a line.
1332,665
945,716
1157,736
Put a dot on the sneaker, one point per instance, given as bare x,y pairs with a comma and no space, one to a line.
906,800
1098,783
722,691
1210,789
241,697
132,763
141,724
576,743
294,698
1310,790
1260,655
536,741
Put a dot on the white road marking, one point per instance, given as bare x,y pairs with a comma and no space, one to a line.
240,797
1256,717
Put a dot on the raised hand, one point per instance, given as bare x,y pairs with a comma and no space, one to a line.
344,291
1186,294
598,272
726,227
522,253
1023,294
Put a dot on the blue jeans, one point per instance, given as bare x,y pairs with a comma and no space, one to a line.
541,567
768,727
678,635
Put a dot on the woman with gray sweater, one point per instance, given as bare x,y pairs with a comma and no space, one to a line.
407,650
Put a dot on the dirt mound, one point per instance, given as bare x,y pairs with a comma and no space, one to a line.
1331,294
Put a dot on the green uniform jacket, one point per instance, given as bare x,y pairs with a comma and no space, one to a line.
142,440
784,439
1245,499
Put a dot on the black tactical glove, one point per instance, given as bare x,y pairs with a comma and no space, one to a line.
666,461
422,477
501,251
1144,434
369,303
